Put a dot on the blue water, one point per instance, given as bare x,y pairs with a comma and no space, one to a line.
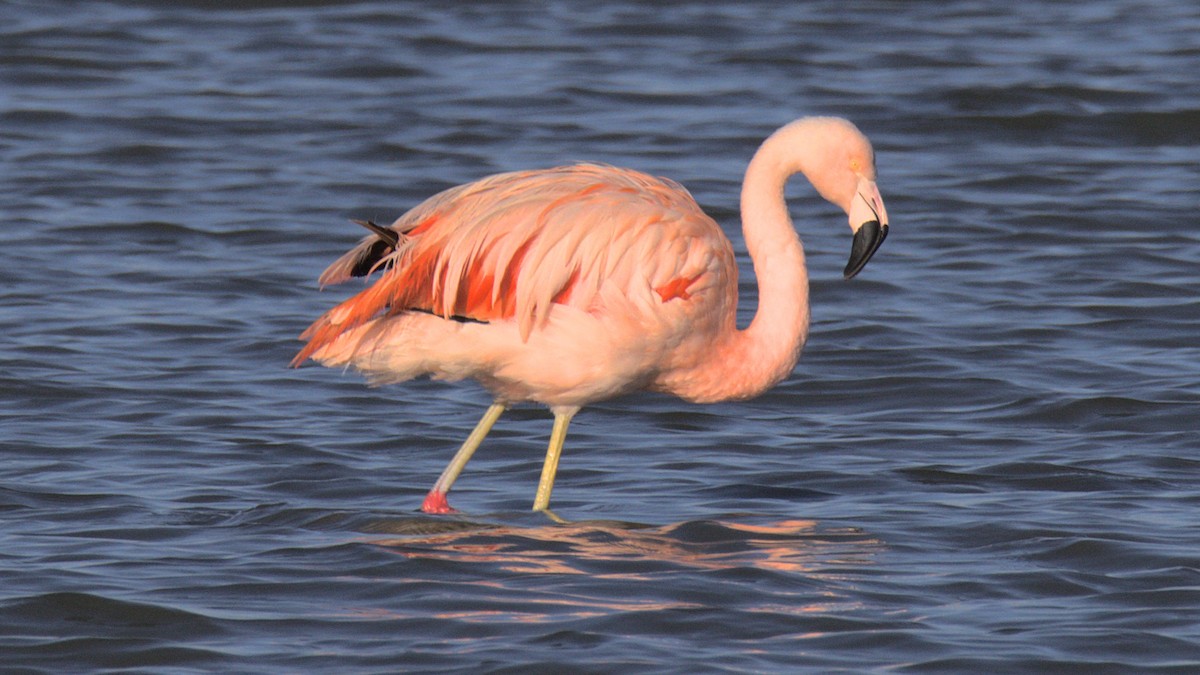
986,460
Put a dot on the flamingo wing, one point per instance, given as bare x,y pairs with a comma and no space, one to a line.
511,246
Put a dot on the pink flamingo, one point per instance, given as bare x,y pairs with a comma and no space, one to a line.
575,284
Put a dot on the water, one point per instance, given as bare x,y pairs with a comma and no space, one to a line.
985,461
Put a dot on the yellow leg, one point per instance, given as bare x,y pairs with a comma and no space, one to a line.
435,502
562,419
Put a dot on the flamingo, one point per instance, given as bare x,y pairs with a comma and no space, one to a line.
574,284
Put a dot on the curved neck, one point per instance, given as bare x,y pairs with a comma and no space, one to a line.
750,361
770,346
775,336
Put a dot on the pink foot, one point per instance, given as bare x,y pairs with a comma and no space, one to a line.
435,502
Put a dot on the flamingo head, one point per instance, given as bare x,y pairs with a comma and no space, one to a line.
840,163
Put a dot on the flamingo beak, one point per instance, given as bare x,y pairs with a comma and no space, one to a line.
868,219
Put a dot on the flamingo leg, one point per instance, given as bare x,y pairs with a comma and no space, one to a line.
562,419
435,501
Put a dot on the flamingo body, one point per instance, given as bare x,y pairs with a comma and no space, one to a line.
579,283
561,286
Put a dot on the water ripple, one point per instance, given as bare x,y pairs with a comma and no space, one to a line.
985,461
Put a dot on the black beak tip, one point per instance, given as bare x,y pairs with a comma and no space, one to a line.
866,242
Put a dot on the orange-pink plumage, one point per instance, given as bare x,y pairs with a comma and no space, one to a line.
577,283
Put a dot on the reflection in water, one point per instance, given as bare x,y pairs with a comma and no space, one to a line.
574,548
609,556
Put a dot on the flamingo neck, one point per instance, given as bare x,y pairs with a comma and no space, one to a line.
754,359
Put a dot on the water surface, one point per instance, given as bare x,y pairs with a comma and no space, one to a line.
985,461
